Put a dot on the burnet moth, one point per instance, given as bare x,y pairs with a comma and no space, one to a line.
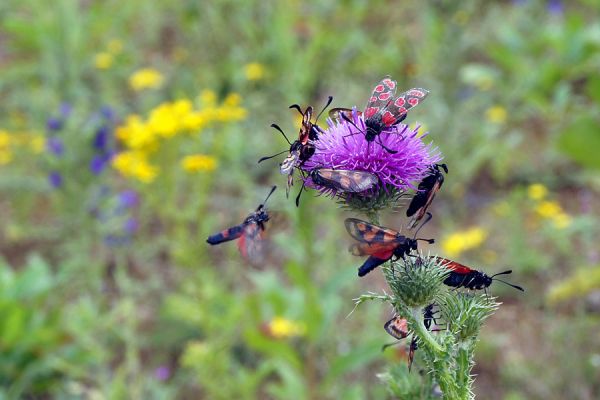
462,276
301,149
383,109
426,192
248,232
340,180
379,243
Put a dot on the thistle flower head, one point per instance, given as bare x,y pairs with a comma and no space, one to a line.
343,146
466,313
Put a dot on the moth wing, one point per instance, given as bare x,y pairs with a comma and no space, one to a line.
397,327
398,108
370,233
251,243
347,180
382,95
453,266
368,249
226,235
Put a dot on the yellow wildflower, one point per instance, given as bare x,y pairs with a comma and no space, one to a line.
103,60
115,46
254,71
5,140
37,143
198,162
496,114
548,209
5,157
582,282
282,328
562,220
163,120
146,78
232,100
459,242
136,134
135,165
208,98
193,121
537,191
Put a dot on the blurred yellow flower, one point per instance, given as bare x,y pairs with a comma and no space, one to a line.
115,46
37,143
134,164
459,242
5,140
136,134
548,209
579,284
146,78
496,114
282,328
198,162
562,220
254,71
537,191
103,60
5,157
232,100
208,98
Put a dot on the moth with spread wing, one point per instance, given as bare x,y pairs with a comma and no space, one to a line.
383,109
379,243
301,150
340,180
248,232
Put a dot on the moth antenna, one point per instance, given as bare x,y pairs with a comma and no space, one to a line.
329,100
269,195
297,107
345,117
274,155
502,273
444,167
510,284
300,193
275,126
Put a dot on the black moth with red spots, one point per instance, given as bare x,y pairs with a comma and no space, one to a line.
249,232
426,192
463,276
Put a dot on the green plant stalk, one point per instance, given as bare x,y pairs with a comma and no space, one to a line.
421,331
464,362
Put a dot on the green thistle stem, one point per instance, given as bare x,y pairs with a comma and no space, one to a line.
463,372
423,333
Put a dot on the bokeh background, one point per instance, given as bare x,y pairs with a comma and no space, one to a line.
130,131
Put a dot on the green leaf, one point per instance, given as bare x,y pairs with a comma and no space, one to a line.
580,141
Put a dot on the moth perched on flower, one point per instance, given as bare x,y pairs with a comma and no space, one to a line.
384,109
303,148
248,232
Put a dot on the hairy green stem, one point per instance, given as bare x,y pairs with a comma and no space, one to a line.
423,333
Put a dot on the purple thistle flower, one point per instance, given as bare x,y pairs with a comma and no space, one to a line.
55,146
343,146
55,179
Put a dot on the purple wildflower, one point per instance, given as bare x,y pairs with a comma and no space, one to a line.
343,146
108,113
162,373
98,162
55,179
101,138
555,7
65,109
128,198
54,124
55,146
131,226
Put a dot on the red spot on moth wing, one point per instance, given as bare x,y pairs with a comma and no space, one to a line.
413,101
389,83
400,101
417,93
402,110
369,112
388,118
385,96
379,88
373,99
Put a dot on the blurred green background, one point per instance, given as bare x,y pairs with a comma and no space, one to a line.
130,131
